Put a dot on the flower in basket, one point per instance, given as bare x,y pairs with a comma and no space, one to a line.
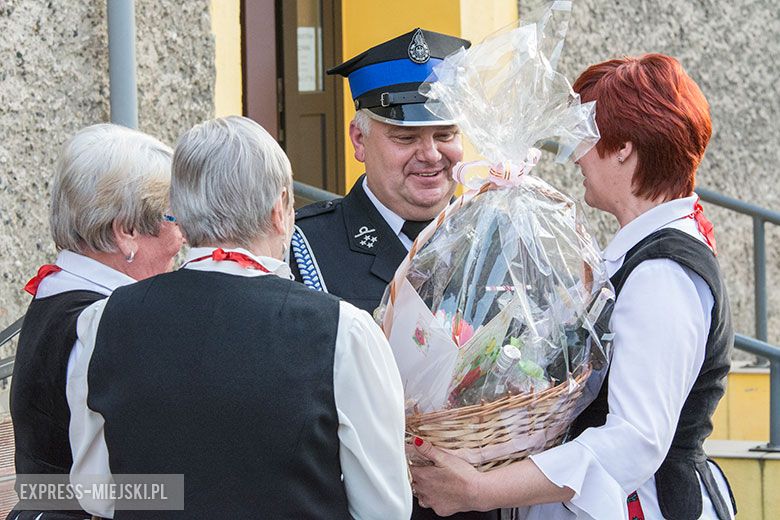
419,337
460,329
506,286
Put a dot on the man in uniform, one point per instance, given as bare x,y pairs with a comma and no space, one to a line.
351,247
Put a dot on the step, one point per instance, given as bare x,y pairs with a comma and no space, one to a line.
754,476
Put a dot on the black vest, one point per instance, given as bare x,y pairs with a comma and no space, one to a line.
229,381
39,407
679,496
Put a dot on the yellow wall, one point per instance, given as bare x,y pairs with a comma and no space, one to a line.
366,23
743,413
226,27
755,481
480,19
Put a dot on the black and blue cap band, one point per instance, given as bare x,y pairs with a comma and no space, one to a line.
372,77
385,78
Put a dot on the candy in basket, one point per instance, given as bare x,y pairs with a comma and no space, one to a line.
498,316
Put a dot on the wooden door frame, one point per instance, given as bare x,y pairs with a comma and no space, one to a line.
259,63
338,52
262,59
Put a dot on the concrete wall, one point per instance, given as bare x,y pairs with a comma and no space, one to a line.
730,49
54,80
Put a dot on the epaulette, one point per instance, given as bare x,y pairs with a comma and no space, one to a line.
318,208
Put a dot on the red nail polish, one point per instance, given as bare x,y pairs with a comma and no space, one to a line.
418,442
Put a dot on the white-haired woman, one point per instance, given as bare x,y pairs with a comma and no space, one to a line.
109,222
272,400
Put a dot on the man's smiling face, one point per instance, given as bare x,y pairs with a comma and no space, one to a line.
409,168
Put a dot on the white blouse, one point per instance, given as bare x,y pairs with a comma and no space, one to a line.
661,321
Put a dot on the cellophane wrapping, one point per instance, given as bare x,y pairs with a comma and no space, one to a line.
504,300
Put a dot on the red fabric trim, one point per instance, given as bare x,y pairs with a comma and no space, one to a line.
44,271
704,225
245,261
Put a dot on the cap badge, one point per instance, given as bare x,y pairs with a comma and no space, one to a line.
418,48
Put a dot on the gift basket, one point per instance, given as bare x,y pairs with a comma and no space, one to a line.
498,317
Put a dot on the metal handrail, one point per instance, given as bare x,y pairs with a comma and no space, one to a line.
9,333
7,364
758,347
772,353
760,216
738,205
312,193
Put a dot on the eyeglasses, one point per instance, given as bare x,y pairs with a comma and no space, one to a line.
169,218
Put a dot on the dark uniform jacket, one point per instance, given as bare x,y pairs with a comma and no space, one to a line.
346,248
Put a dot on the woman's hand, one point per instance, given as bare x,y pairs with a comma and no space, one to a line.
449,486
452,485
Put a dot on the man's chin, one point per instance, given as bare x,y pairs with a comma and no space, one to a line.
433,205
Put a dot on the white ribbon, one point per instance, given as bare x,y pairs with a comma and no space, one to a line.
475,174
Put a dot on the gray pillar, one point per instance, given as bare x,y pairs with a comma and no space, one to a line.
121,62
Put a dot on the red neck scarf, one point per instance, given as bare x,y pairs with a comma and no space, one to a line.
705,226
245,261
44,271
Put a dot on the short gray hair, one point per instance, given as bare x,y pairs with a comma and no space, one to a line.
108,173
363,121
227,175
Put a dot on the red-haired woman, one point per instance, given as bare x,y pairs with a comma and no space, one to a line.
637,450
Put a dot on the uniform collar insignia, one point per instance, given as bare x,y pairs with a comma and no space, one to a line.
366,238
418,48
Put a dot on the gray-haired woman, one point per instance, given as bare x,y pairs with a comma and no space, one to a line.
110,225
273,400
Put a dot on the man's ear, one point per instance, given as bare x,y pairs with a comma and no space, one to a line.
357,137
124,239
278,215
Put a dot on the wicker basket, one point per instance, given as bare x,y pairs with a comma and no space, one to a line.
495,434
492,435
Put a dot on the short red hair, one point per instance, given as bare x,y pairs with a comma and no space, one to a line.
653,103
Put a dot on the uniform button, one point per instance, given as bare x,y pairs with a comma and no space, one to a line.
329,204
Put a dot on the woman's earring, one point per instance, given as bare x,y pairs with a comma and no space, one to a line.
130,257
620,159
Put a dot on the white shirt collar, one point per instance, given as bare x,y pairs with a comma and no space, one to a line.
664,215
81,273
274,265
394,221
